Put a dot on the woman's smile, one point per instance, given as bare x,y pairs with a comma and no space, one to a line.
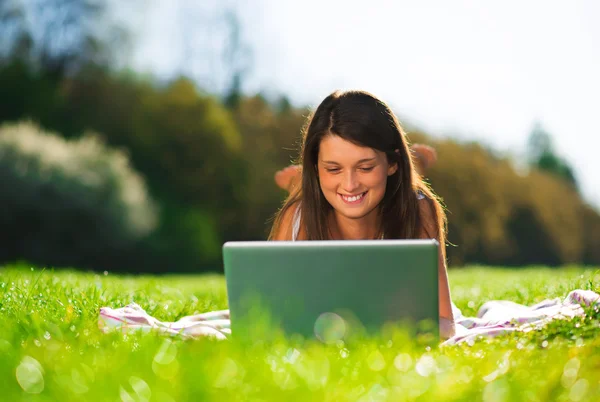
353,200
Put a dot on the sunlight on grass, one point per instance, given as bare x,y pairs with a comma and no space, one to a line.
52,348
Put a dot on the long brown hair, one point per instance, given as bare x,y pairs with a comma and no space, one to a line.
361,118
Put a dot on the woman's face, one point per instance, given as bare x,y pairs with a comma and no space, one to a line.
352,178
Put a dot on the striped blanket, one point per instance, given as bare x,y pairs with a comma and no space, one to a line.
494,318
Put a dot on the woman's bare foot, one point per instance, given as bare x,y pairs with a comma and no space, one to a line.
426,157
288,177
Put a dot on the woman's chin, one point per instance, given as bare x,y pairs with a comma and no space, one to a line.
353,212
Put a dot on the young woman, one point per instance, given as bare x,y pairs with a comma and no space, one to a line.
359,182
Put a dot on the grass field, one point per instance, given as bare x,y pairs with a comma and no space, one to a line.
51,348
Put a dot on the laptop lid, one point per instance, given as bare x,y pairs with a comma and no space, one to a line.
316,287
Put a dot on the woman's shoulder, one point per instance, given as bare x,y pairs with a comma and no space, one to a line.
427,215
289,222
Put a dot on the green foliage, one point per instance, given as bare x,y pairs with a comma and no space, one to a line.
69,202
209,164
498,216
211,171
28,94
62,37
52,348
188,147
591,234
542,156
270,138
199,157
185,144
187,240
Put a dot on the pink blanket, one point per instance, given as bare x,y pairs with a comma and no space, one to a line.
494,318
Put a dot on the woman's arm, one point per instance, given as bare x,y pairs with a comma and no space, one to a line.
429,230
284,231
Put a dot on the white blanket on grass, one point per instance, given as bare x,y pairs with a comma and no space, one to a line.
494,318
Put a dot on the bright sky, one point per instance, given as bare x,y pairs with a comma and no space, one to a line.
468,69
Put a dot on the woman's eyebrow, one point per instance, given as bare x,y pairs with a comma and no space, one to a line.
360,161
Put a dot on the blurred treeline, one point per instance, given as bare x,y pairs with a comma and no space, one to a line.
140,175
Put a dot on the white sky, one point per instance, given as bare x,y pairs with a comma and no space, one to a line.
469,69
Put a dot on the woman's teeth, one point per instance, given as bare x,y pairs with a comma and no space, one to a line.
353,198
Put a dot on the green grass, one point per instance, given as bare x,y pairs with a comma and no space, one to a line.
51,348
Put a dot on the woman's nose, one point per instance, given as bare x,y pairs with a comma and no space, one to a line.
350,181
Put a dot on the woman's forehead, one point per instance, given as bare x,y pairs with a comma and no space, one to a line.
335,148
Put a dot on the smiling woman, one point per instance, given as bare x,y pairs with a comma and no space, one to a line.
353,180
359,182
357,170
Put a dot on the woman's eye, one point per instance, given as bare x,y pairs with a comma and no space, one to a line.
366,169
332,170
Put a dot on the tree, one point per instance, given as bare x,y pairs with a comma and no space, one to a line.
542,156
61,36
214,52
